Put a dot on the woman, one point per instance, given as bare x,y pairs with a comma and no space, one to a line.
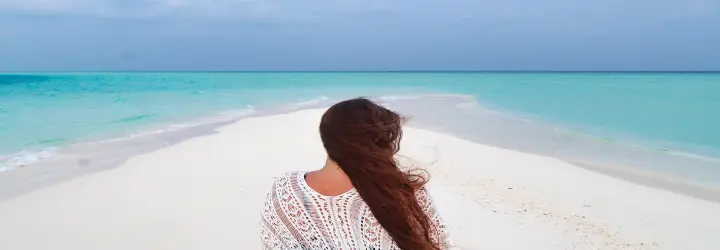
360,199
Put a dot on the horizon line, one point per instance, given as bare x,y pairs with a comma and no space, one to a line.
360,71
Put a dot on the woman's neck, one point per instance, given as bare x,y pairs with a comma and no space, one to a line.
329,180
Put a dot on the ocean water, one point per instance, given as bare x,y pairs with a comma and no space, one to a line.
634,119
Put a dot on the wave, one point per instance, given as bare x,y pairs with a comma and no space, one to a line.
22,79
424,96
24,158
632,144
221,117
133,118
53,141
311,102
694,156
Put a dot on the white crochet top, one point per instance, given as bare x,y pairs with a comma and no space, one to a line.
297,217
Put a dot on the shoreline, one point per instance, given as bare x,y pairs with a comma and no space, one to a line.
80,161
653,180
207,191
29,178
627,142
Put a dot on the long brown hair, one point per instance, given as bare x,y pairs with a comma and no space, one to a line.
363,138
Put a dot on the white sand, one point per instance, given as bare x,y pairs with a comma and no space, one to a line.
206,193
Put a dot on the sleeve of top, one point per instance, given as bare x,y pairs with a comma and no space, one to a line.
441,233
263,236
266,235
269,233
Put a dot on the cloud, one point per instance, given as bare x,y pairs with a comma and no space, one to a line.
140,8
416,9
294,10
45,6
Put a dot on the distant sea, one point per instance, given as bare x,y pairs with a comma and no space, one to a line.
665,113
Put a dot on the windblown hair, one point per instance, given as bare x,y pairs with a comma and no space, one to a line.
363,138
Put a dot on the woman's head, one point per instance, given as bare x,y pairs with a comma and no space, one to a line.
360,125
362,138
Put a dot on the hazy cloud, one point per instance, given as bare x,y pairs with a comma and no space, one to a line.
140,8
476,9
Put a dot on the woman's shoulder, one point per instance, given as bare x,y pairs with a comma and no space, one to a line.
283,185
287,177
287,182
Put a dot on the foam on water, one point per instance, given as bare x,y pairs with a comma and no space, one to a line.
311,102
24,158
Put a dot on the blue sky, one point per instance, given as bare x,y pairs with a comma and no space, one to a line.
359,35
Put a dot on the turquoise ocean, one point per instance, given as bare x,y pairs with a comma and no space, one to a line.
666,123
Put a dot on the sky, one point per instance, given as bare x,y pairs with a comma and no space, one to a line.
72,35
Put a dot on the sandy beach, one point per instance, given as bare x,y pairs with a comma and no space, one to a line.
207,192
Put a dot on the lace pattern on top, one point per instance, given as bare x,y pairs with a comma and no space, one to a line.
296,217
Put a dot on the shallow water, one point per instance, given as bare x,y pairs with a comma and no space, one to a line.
661,123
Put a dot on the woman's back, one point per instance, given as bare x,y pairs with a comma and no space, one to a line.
385,207
297,217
